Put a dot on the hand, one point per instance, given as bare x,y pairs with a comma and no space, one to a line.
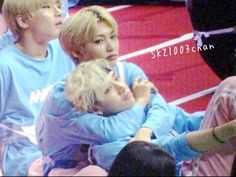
143,134
142,91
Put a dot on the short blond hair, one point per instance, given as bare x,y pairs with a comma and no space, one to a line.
82,83
12,8
80,28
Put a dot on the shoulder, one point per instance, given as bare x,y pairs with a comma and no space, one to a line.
56,103
6,39
8,50
57,51
129,65
132,70
55,45
7,56
12,58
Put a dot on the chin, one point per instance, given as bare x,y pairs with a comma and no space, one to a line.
113,63
128,106
53,37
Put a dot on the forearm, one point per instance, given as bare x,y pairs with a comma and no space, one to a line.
105,129
145,131
143,134
203,140
159,118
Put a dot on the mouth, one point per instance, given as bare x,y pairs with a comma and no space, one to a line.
59,23
127,95
112,57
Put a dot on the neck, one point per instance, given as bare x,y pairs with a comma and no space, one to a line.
3,25
29,46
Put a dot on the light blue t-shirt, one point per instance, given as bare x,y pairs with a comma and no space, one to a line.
24,85
72,3
6,39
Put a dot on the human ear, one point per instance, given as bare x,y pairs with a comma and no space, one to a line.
81,53
23,21
76,54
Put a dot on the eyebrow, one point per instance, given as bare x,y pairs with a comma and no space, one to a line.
101,35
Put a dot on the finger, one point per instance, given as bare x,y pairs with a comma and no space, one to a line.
156,89
139,79
136,81
153,88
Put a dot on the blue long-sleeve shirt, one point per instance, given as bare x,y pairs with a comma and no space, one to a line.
174,143
61,128
59,115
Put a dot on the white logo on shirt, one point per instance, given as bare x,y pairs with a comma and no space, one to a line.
38,96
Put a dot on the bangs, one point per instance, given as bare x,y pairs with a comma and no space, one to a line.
33,5
85,81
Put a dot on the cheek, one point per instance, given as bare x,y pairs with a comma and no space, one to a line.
98,52
121,105
90,52
117,46
100,55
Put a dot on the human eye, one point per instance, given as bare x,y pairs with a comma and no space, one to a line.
98,41
108,90
46,6
59,5
113,36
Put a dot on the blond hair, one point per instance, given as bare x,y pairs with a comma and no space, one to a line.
82,83
12,8
80,28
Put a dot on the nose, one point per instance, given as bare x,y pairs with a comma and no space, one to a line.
58,11
110,45
119,87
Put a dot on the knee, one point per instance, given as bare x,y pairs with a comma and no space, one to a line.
36,168
230,80
229,83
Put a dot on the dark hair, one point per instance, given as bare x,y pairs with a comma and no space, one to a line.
1,3
233,171
143,159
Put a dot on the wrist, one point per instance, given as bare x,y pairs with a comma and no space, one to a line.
225,132
142,102
216,136
145,131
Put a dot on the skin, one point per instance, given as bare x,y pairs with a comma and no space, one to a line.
46,22
115,95
105,44
43,26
